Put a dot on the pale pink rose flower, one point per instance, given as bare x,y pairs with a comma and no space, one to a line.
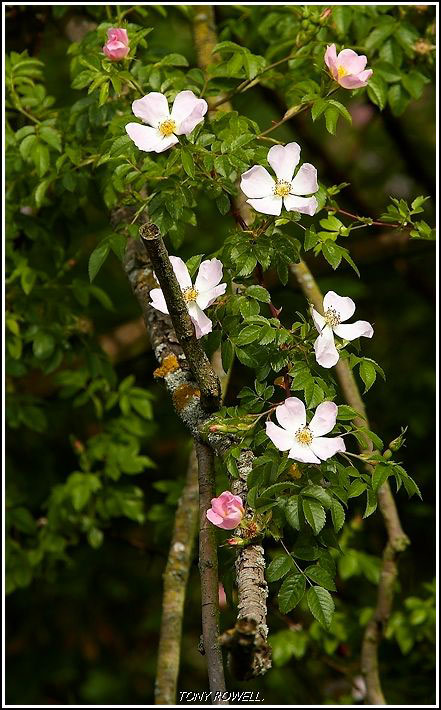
347,68
164,127
117,45
268,195
226,511
199,296
305,442
337,309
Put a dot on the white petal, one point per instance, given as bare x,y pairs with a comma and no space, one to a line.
284,160
181,272
291,414
305,205
202,324
166,142
344,305
152,109
158,300
318,319
267,205
300,452
206,298
280,437
209,274
324,419
188,111
144,137
325,448
305,182
326,353
257,182
350,331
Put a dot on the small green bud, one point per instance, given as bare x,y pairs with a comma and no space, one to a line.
399,441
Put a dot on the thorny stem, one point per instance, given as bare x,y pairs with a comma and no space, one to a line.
369,222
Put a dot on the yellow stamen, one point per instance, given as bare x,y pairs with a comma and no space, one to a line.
304,436
167,127
341,71
282,188
332,317
190,294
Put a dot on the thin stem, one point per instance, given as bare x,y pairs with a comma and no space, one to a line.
371,222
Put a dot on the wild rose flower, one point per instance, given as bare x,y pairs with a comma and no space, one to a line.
117,45
226,511
198,297
337,309
305,442
163,127
268,195
347,68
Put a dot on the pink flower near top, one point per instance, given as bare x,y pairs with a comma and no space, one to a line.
347,68
226,511
206,289
268,195
164,126
337,309
305,442
117,45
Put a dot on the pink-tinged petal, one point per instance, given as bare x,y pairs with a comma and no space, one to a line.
209,275
280,437
291,414
118,34
356,82
257,182
188,111
331,59
318,319
208,297
344,305
202,324
214,518
326,353
231,521
284,160
305,182
267,205
238,501
218,505
302,453
158,300
115,50
181,272
304,205
325,448
324,419
351,62
350,331
152,108
166,143
144,137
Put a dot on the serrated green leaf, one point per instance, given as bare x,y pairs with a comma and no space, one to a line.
314,514
97,259
291,592
278,567
321,605
321,577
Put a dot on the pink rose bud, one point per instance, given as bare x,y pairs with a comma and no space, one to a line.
117,45
347,68
235,541
226,511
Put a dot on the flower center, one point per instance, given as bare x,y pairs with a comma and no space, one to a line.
190,294
341,71
167,127
282,188
332,317
304,436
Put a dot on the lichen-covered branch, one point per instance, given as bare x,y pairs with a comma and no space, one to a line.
397,540
175,582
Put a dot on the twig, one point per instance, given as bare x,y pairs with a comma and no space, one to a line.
369,222
208,568
397,540
199,363
175,583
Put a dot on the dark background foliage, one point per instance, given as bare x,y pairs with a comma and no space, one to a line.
86,629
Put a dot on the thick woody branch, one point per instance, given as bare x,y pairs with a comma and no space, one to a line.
208,568
397,540
175,582
199,363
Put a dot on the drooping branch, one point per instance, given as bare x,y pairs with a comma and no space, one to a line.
397,540
175,582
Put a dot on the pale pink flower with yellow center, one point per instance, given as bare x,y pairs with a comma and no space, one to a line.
268,195
337,309
199,296
117,45
305,442
347,68
164,126
226,511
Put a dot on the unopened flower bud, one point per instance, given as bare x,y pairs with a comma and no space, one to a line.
398,442
117,45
